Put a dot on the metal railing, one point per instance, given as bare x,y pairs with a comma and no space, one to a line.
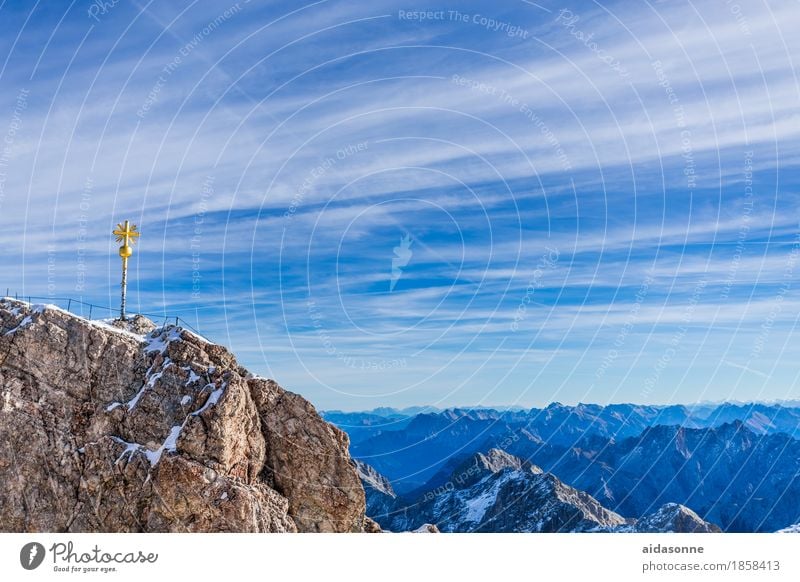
80,309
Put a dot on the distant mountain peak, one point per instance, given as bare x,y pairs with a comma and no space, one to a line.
674,517
493,461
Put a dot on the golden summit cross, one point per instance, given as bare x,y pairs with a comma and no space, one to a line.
126,234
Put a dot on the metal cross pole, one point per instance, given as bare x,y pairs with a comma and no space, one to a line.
126,234
124,298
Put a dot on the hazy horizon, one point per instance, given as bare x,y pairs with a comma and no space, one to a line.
784,403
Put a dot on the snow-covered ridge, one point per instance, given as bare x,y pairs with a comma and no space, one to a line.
497,492
39,308
154,338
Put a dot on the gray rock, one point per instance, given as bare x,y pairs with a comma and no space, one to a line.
106,430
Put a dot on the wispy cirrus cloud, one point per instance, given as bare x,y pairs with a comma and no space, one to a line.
278,153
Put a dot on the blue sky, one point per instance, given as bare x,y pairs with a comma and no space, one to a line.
599,202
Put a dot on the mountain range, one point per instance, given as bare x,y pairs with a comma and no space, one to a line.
731,465
497,492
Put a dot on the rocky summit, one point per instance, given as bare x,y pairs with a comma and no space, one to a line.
673,517
138,428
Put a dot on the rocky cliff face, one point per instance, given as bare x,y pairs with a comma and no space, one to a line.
104,429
